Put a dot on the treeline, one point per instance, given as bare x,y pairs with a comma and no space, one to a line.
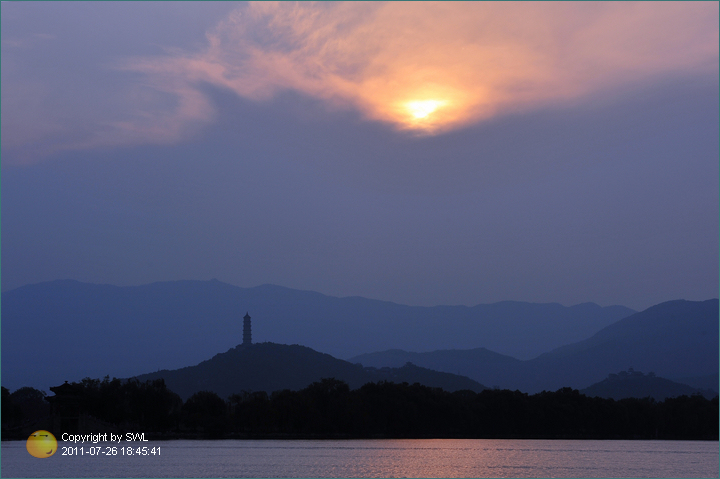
387,410
124,405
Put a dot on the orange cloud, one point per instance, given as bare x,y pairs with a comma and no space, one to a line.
430,67
423,67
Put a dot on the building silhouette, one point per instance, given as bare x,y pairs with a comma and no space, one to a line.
67,413
247,335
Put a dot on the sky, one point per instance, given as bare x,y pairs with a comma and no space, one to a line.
420,153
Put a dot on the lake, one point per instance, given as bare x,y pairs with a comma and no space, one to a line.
375,458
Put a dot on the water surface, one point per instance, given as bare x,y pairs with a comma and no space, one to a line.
379,458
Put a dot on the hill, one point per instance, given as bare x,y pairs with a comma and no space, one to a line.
272,367
676,340
473,363
635,384
707,381
93,330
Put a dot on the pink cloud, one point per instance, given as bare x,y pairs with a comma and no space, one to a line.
464,62
424,67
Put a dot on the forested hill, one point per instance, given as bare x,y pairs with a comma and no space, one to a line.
273,367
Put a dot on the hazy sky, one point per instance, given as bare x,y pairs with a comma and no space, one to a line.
422,153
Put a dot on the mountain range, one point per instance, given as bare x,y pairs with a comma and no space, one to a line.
76,330
273,367
677,340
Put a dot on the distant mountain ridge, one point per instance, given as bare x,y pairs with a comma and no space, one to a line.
273,367
96,330
675,339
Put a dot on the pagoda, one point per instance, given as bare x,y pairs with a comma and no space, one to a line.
247,335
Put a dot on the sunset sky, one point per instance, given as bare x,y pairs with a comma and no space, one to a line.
421,153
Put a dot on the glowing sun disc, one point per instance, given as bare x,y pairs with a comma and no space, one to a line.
422,109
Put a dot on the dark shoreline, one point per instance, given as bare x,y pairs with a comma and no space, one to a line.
329,409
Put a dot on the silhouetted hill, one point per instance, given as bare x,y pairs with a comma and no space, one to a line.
635,384
676,339
93,330
706,381
272,367
472,363
411,374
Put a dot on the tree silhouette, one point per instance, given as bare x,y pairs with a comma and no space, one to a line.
204,412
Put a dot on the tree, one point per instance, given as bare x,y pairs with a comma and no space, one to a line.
31,402
205,412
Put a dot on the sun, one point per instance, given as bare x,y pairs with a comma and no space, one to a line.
420,110
424,112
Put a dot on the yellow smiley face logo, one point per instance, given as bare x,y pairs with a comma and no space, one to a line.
41,444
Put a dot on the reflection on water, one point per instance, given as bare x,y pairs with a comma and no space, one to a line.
381,458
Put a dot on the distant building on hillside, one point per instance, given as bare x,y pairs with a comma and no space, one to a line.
247,335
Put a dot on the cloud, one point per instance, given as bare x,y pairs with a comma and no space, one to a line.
435,66
425,67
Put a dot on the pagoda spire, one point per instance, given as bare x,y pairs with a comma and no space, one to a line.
247,334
